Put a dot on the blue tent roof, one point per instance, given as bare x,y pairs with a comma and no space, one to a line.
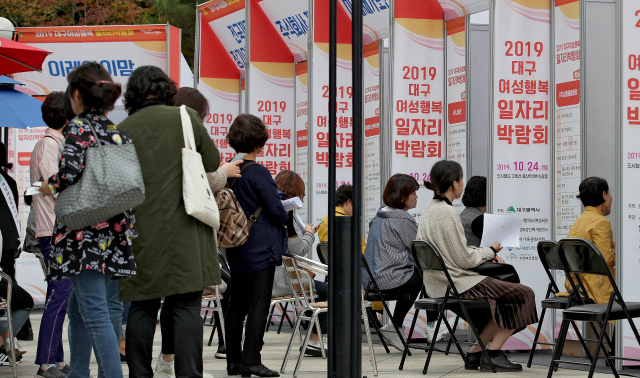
19,110
7,80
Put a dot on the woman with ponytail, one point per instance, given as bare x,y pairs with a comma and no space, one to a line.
593,226
512,305
96,256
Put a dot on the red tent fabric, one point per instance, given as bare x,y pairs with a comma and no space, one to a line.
18,57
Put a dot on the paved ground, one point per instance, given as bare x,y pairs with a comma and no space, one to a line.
450,366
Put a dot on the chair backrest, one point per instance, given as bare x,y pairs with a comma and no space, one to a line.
581,256
548,254
298,284
323,252
426,256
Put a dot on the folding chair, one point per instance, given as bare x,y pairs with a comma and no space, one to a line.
300,280
377,296
279,301
579,256
215,298
427,257
5,304
548,254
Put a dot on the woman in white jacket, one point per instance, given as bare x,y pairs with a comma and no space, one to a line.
512,305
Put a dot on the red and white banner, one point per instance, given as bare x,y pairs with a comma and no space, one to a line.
227,20
375,18
320,104
456,96
270,88
520,158
290,19
302,133
630,224
371,81
219,82
120,49
418,135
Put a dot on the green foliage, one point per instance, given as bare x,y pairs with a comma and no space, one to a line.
182,14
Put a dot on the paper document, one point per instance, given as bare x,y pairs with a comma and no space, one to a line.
501,229
299,221
292,204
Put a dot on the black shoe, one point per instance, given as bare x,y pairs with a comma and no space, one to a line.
221,353
233,369
472,361
26,332
259,370
500,361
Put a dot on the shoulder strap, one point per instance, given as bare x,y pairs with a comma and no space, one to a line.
187,129
241,170
84,120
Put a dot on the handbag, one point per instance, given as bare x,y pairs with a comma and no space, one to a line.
111,184
199,201
502,272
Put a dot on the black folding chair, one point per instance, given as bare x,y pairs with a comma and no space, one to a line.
548,254
579,256
372,294
427,257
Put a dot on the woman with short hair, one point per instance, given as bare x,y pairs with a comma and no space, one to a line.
475,201
253,264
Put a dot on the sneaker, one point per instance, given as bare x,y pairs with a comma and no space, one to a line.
442,331
50,372
4,358
163,369
314,349
66,368
221,354
391,336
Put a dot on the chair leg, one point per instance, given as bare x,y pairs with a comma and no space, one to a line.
270,317
377,328
284,314
601,337
11,342
293,336
455,326
365,322
213,331
413,326
453,337
432,345
557,352
320,336
582,342
305,344
535,339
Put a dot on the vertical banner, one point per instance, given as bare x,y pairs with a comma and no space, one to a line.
302,132
227,20
371,81
456,96
630,165
320,96
568,158
290,18
219,82
270,88
418,138
375,18
521,149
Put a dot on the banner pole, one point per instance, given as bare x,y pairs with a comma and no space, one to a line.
247,49
167,30
196,51
620,155
388,135
467,91
492,36
310,136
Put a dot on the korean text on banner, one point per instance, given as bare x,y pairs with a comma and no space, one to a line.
418,138
373,191
302,131
521,149
291,20
270,88
630,87
457,96
227,20
320,98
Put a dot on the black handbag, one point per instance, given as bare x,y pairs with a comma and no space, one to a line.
502,272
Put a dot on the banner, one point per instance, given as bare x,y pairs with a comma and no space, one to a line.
119,49
290,18
302,133
521,149
227,20
456,97
219,82
270,90
418,138
375,18
630,224
320,104
372,156
459,8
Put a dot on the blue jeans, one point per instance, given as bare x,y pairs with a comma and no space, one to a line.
95,316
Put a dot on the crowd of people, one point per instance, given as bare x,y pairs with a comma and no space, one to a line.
156,260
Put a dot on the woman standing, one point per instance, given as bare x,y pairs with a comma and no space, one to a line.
513,306
176,253
96,255
253,264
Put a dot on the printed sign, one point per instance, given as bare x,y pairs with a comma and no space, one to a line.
373,184
290,18
227,20
302,133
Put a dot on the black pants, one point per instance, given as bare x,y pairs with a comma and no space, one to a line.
184,332
250,297
8,263
411,287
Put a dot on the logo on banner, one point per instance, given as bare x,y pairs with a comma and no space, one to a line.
151,32
511,210
511,256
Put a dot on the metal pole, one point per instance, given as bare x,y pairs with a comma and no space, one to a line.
492,27
196,51
247,51
467,92
619,158
310,119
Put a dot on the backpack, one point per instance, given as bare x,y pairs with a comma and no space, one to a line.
234,225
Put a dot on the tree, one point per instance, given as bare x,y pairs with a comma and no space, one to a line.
182,14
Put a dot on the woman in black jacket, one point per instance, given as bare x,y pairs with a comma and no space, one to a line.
8,216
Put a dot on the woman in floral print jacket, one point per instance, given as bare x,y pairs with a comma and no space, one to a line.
95,256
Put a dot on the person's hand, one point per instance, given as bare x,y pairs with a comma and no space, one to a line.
44,189
497,247
310,228
498,260
233,169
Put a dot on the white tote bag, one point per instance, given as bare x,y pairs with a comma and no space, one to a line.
199,201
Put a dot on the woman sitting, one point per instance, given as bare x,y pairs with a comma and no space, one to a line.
512,305
474,200
593,226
